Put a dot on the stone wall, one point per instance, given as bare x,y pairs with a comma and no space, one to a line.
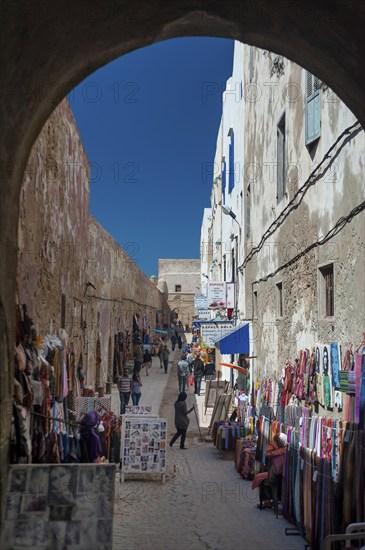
71,273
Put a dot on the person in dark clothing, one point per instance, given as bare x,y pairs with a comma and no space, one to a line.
173,341
147,361
165,358
181,420
89,440
198,369
179,341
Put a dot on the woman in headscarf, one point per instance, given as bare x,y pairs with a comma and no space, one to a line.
181,420
89,440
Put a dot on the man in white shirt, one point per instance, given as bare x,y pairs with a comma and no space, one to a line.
182,372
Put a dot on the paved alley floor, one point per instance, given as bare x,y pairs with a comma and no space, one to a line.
204,503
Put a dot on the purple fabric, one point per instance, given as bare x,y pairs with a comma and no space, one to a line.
90,419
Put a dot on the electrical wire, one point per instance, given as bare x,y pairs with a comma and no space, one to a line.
331,233
348,133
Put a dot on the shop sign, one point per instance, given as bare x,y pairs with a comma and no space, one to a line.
216,295
210,330
204,314
200,302
230,296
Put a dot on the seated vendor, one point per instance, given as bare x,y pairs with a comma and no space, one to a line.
276,452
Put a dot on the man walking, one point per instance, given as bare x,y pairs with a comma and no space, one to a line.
124,387
198,367
147,361
165,358
182,372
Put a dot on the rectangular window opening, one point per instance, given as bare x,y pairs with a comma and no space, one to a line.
279,303
177,288
281,159
254,305
327,288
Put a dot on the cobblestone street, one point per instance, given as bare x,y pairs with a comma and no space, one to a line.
204,504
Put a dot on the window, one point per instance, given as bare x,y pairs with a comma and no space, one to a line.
326,291
63,311
177,288
231,162
281,158
279,299
251,64
254,305
248,212
224,179
233,278
224,268
312,109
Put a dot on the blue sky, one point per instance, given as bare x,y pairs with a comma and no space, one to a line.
149,122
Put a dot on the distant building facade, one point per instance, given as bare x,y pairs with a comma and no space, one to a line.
180,280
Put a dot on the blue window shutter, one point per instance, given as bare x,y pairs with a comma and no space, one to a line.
231,163
313,109
224,180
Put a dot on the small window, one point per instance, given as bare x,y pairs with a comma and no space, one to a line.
281,158
231,175
248,212
177,288
279,299
312,109
254,304
224,179
63,311
327,293
233,278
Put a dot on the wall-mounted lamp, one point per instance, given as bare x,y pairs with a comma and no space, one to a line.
228,212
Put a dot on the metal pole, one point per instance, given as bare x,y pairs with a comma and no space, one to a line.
197,421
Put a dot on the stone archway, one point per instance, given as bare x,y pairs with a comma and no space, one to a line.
49,47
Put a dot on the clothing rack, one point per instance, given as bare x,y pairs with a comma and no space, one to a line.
77,424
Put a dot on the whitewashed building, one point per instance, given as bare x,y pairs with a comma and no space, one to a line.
289,168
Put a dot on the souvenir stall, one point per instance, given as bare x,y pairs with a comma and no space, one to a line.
319,403
50,407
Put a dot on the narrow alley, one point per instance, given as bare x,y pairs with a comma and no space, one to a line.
204,503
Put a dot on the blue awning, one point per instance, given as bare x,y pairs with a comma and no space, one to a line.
236,340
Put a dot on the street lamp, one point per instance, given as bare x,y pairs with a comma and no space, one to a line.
228,212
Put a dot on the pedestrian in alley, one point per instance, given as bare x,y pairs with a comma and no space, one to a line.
181,420
147,361
198,369
179,341
190,360
182,372
173,341
136,388
124,387
138,359
165,358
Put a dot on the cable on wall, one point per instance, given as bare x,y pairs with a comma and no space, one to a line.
347,134
331,233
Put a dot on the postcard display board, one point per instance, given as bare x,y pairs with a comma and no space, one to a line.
143,446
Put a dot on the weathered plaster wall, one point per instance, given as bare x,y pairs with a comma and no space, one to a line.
62,248
338,188
122,290
54,226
